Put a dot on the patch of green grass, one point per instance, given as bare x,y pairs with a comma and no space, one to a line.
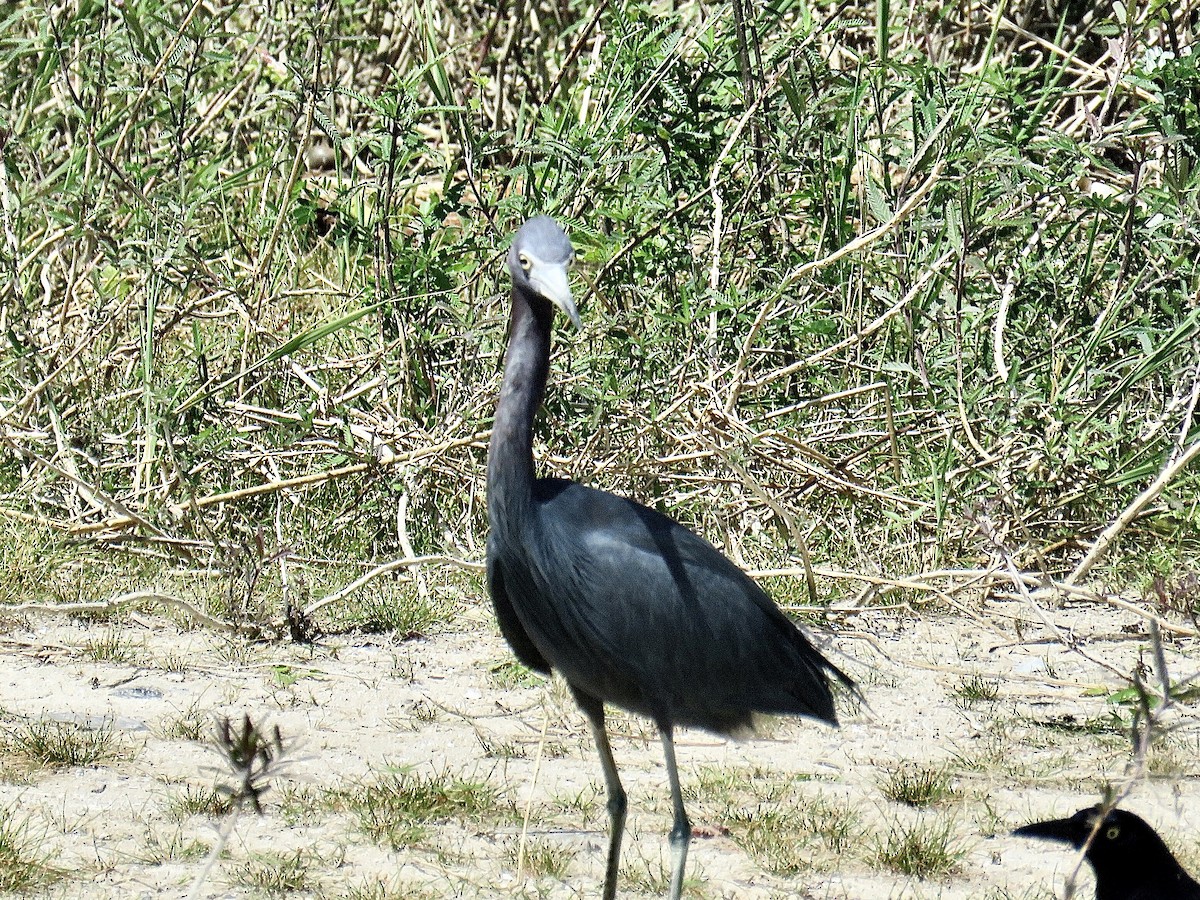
646,876
113,646
543,858
972,689
925,848
494,748
810,833
301,803
176,663
195,800
23,865
511,674
192,723
173,846
237,652
1168,760
276,874
707,782
917,785
731,787
775,841
52,743
404,613
397,808
587,804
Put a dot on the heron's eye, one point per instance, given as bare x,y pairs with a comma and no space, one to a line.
524,261
1112,832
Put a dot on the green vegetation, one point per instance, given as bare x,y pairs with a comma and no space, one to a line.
808,833
908,288
52,743
192,723
509,673
23,866
397,808
254,276
544,859
175,844
277,874
976,689
193,800
112,647
924,848
916,785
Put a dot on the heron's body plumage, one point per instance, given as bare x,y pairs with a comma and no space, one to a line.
636,610
631,607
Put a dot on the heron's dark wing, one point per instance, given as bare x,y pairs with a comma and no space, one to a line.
510,624
638,610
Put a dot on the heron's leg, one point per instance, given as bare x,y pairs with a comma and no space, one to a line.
594,710
681,832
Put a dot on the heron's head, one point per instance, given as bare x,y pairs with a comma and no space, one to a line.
539,258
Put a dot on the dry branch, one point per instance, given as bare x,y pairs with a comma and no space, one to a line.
299,482
1174,466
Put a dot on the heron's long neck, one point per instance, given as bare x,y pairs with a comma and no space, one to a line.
510,451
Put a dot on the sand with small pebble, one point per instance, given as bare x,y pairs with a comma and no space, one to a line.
351,707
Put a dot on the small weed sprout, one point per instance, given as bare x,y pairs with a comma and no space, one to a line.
543,859
189,724
495,748
199,801
649,876
511,674
798,837
253,756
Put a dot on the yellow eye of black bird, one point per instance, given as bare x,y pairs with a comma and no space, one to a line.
525,263
1130,860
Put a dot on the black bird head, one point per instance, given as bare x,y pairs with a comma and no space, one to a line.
539,258
1130,860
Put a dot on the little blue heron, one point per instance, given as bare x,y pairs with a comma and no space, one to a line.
632,608
1130,860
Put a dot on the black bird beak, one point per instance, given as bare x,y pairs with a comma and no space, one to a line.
1068,831
550,280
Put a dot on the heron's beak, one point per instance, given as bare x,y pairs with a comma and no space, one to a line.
550,280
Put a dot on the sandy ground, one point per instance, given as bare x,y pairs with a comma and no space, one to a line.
354,706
